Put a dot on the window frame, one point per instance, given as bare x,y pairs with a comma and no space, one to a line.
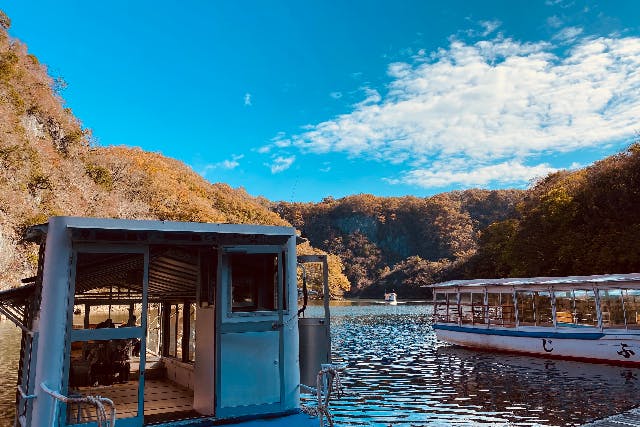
281,289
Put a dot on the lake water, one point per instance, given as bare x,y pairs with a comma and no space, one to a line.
9,356
398,374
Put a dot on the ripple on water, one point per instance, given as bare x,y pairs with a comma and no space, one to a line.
9,355
399,374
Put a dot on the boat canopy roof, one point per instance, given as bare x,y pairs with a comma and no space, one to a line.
603,280
17,297
13,303
108,229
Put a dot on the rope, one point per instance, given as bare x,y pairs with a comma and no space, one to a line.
321,410
98,402
101,414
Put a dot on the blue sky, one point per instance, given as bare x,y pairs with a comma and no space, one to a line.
298,101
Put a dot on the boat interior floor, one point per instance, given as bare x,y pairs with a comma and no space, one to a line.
164,400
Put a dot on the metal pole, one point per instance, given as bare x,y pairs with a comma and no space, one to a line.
327,312
52,324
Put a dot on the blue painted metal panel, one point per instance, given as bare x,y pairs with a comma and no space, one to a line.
521,333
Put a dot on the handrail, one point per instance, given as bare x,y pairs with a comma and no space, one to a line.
328,375
25,395
97,401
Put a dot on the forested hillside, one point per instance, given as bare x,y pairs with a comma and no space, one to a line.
400,242
49,166
569,223
581,222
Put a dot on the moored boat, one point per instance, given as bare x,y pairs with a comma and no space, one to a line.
158,322
588,318
391,298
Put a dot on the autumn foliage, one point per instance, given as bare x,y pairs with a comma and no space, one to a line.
580,222
49,166
570,223
390,242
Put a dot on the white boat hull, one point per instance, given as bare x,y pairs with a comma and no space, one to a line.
619,347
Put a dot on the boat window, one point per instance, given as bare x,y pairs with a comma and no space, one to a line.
544,314
631,299
192,333
565,308
526,313
466,308
180,332
154,319
175,330
254,282
440,308
585,308
452,304
108,290
478,309
611,308
501,310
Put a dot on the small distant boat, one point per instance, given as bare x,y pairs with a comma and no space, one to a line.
585,318
391,298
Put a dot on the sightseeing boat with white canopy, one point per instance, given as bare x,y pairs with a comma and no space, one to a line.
163,323
586,318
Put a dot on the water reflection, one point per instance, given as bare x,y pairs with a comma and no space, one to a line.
400,375
9,355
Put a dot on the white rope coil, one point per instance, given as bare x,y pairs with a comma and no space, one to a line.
98,402
321,410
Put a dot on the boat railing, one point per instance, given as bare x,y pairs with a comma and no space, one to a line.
97,401
475,314
595,307
327,380
25,395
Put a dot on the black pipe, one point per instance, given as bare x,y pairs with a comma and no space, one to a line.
305,293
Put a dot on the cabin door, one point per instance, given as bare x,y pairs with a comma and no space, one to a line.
250,350
107,322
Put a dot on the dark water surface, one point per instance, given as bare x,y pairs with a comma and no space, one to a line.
398,374
9,355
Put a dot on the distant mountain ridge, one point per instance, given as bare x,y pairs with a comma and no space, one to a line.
372,234
571,222
578,222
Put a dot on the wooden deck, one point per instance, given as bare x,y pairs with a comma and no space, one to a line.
161,396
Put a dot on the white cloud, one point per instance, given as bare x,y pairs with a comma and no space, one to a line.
247,99
281,163
554,21
486,28
512,172
562,3
568,34
489,26
490,103
225,164
576,165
